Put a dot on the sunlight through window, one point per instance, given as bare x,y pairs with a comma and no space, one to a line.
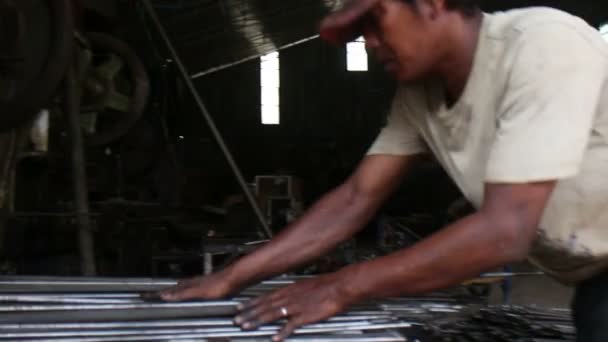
270,84
356,55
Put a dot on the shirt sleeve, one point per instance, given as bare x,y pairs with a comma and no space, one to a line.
399,137
546,116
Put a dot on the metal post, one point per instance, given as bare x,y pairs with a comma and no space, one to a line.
207,117
208,269
79,176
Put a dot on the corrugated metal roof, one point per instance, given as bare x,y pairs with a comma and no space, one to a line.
209,33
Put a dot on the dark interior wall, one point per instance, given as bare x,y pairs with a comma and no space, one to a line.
329,117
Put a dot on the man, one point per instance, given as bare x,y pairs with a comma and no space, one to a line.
514,106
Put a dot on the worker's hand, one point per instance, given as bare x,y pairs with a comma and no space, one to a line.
213,286
302,303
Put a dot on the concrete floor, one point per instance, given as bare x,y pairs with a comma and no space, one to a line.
541,291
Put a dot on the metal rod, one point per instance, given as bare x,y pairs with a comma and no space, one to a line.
511,274
210,322
119,325
85,235
250,58
122,306
99,295
48,317
59,299
234,332
371,337
90,283
325,327
210,122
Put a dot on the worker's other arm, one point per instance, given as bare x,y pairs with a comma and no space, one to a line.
333,219
502,231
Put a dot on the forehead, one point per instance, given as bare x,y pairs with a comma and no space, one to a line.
384,12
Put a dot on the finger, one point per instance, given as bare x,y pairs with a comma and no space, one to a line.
262,308
184,290
270,315
287,330
247,305
246,316
271,297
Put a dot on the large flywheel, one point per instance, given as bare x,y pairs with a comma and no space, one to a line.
115,88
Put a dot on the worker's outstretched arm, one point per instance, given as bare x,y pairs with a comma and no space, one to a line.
333,219
502,231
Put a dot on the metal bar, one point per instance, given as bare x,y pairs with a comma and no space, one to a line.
119,325
37,287
208,330
100,295
210,322
144,314
61,285
511,274
210,122
234,332
34,214
122,306
90,283
85,235
282,280
372,337
250,58
383,337
52,279
59,299
396,318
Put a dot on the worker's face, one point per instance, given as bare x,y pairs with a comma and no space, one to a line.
404,38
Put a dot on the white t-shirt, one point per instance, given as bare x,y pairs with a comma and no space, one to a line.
535,108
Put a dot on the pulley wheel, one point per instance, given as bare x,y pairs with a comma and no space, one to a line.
115,89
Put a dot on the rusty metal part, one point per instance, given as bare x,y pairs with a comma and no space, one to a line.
115,88
38,49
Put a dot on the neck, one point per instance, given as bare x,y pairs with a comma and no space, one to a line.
456,64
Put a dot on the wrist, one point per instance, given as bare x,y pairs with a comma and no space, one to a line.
352,284
233,278
239,276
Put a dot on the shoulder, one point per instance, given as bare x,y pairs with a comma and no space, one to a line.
543,26
544,40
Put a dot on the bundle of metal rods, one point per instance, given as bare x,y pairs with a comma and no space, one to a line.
105,309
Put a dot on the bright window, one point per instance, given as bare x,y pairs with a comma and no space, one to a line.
604,31
271,83
356,55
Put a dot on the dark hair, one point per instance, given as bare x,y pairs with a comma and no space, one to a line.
467,7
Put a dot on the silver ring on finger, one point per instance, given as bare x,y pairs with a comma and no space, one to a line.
284,311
